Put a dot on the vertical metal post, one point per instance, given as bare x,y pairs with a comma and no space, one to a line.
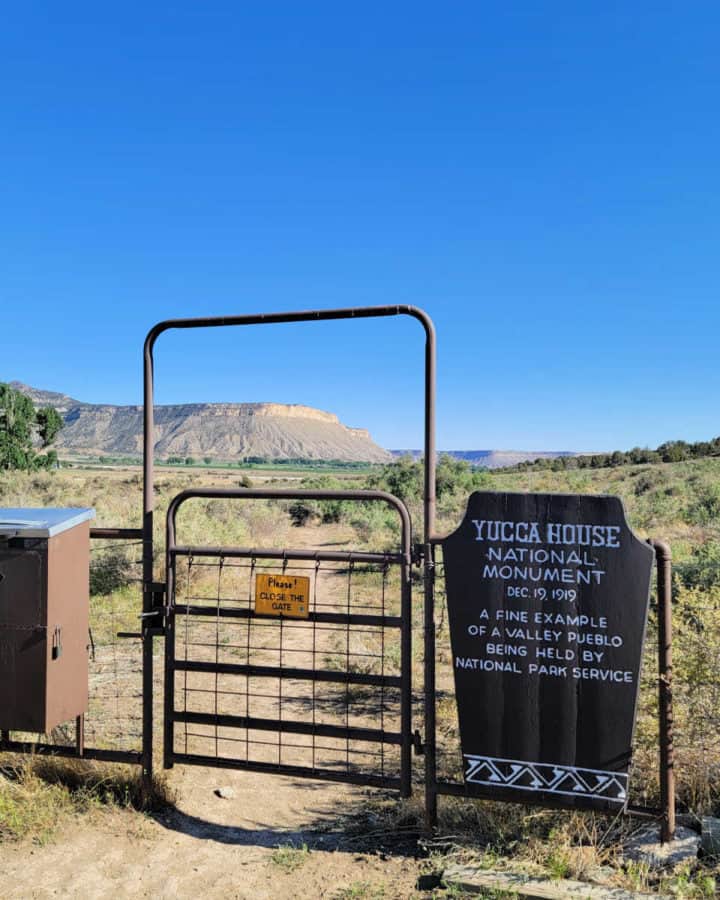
147,567
431,795
430,452
663,559
80,735
429,688
169,700
406,668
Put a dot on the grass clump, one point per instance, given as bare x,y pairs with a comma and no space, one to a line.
289,857
38,793
360,890
29,807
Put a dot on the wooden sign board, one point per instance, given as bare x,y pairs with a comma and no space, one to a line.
282,595
547,601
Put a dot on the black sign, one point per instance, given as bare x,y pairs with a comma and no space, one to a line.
547,600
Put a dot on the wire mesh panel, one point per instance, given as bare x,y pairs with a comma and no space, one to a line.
325,694
114,717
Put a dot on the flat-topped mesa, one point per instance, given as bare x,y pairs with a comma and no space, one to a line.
245,410
222,431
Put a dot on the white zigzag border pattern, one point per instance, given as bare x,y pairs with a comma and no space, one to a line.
569,781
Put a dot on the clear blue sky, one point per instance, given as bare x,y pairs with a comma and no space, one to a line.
542,178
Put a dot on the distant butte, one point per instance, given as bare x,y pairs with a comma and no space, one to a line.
223,431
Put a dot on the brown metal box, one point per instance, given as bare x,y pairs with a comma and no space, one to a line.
44,608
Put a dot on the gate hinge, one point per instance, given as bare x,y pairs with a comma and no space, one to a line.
418,554
418,745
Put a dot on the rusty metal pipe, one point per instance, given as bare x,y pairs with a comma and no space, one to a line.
362,312
429,689
116,534
209,493
80,735
663,557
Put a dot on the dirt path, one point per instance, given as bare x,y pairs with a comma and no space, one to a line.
212,847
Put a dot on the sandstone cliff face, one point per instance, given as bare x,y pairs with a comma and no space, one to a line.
224,431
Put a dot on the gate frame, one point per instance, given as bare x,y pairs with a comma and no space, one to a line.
403,559
154,592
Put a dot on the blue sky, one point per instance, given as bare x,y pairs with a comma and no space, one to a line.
543,179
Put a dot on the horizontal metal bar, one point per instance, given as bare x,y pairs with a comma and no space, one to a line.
364,496
121,534
310,555
312,315
219,762
119,756
456,789
644,812
186,665
228,612
252,723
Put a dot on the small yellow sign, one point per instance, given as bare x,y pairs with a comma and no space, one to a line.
282,595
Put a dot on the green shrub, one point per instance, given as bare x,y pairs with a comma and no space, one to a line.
110,570
702,570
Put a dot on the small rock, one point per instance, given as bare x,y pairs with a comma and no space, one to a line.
710,840
602,874
227,793
646,847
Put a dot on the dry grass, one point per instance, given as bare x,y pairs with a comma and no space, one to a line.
676,502
38,793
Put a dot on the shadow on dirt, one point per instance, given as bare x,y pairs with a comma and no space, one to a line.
350,830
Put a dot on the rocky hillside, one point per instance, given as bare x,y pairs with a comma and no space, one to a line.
223,431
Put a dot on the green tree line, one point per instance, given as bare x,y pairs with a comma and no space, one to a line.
670,451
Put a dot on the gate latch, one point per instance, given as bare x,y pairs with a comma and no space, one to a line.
153,620
157,596
417,743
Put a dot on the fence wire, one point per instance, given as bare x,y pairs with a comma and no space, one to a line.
321,693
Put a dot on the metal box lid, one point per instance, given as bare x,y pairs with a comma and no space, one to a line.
40,522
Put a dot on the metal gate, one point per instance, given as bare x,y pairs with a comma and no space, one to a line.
324,695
